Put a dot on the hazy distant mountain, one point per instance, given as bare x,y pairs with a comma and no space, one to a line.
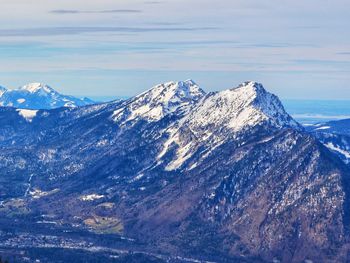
38,96
174,173
2,90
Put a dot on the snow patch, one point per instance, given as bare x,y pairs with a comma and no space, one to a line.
29,115
90,197
37,193
323,128
138,177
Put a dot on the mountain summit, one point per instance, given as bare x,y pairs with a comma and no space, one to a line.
38,96
160,100
240,108
38,88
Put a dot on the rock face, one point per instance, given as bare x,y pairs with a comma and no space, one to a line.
38,96
224,176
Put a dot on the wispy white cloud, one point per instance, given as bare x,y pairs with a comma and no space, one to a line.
53,31
113,11
281,44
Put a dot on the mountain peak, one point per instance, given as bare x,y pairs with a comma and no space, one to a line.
251,83
252,87
38,96
37,87
175,90
242,107
267,105
190,82
161,100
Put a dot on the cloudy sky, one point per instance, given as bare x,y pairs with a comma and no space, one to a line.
297,49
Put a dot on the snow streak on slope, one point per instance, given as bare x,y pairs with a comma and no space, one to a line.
332,147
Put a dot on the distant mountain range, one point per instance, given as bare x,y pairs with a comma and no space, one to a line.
174,174
38,96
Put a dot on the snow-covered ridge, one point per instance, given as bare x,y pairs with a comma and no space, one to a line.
245,106
225,114
210,118
37,87
269,104
238,108
38,96
159,101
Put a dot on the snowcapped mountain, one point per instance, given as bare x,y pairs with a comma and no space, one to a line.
176,173
38,96
240,108
159,101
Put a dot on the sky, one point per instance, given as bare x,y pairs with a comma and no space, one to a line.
298,49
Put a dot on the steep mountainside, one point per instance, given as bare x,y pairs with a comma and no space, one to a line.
38,96
335,135
177,174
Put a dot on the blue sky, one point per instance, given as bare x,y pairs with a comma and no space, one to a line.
297,49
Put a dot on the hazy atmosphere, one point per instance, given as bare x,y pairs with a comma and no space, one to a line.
298,49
